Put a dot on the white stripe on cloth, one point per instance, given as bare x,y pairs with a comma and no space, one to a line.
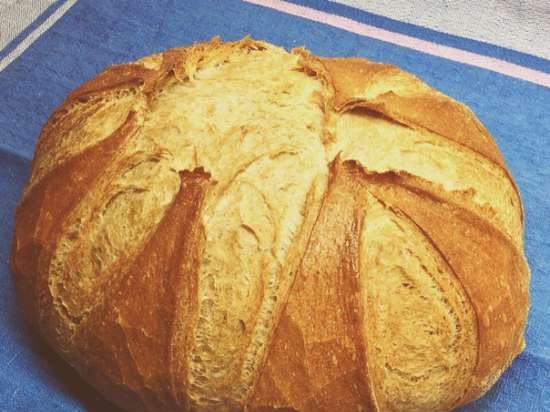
36,33
413,43
519,25
15,15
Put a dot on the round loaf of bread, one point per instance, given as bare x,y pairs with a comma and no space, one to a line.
230,226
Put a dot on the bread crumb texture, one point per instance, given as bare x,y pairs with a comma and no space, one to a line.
231,226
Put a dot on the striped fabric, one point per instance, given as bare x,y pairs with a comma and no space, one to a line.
518,25
493,56
431,47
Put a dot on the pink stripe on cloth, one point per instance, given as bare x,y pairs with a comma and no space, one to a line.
451,53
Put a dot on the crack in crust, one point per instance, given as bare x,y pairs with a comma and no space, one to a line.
276,257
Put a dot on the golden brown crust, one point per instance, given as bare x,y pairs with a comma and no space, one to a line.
473,249
130,75
388,90
39,221
306,346
402,97
328,362
144,350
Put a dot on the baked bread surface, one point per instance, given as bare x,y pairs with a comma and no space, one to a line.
230,226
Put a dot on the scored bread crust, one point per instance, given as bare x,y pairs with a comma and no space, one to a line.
229,226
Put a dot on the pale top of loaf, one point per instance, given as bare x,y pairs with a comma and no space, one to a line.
230,226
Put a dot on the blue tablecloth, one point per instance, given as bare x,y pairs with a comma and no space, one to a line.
93,34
